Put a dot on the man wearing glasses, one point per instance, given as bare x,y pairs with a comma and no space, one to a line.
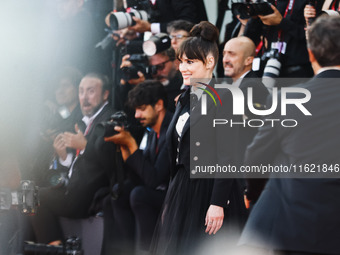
164,68
178,31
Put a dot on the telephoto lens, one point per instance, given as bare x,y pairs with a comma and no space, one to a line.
120,20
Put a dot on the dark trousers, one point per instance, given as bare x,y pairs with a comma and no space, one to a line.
55,203
146,204
130,220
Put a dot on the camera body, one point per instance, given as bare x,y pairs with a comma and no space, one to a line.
106,128
139,51
273,65
25,198
140,63
249,9
72,247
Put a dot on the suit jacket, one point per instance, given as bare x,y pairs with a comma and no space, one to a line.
152,168
198,137
260,94
93,169
300,214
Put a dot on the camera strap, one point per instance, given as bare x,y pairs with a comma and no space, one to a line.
280,45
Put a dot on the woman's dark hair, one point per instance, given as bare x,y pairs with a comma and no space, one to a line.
202,42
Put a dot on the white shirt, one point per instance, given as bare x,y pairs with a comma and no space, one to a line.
87,120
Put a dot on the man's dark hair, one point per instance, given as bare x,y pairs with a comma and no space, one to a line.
147,93
179,24
71,74
324,40
103,78
170,52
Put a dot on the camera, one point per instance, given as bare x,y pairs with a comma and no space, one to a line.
106,128
272,68
132,47
57,178
26,198
249,9
72,247
140,62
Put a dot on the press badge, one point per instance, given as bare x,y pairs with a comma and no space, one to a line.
256,64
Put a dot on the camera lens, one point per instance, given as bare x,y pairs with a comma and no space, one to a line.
120,20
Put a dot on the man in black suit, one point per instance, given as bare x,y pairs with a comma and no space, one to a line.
301,215
88,171
148,170
238,56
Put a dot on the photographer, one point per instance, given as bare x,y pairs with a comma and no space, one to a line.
163,69
284,27
178,31
148,170
162,12
90,170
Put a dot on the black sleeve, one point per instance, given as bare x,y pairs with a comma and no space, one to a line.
153,175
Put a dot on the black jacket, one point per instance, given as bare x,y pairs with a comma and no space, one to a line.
300,214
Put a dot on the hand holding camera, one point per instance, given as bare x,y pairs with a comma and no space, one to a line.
141,25
273,19
126,65
124,138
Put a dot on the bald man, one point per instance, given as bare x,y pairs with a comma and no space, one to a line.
238,56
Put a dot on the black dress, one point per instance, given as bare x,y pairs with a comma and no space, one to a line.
181,227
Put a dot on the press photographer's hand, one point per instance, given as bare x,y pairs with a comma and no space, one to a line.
273,19
141,25
127,63
124,138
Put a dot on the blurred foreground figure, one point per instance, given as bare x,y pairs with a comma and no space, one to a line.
301,215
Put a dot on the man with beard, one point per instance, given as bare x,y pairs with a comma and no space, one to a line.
90,169
138,207
164,69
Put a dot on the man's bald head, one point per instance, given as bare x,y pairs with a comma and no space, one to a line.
238,56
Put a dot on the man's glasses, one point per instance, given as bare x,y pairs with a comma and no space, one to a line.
177,37
159,67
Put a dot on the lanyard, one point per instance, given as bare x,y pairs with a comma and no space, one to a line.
289,8
333,5
259,47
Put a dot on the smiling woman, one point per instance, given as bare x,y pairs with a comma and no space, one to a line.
196,208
